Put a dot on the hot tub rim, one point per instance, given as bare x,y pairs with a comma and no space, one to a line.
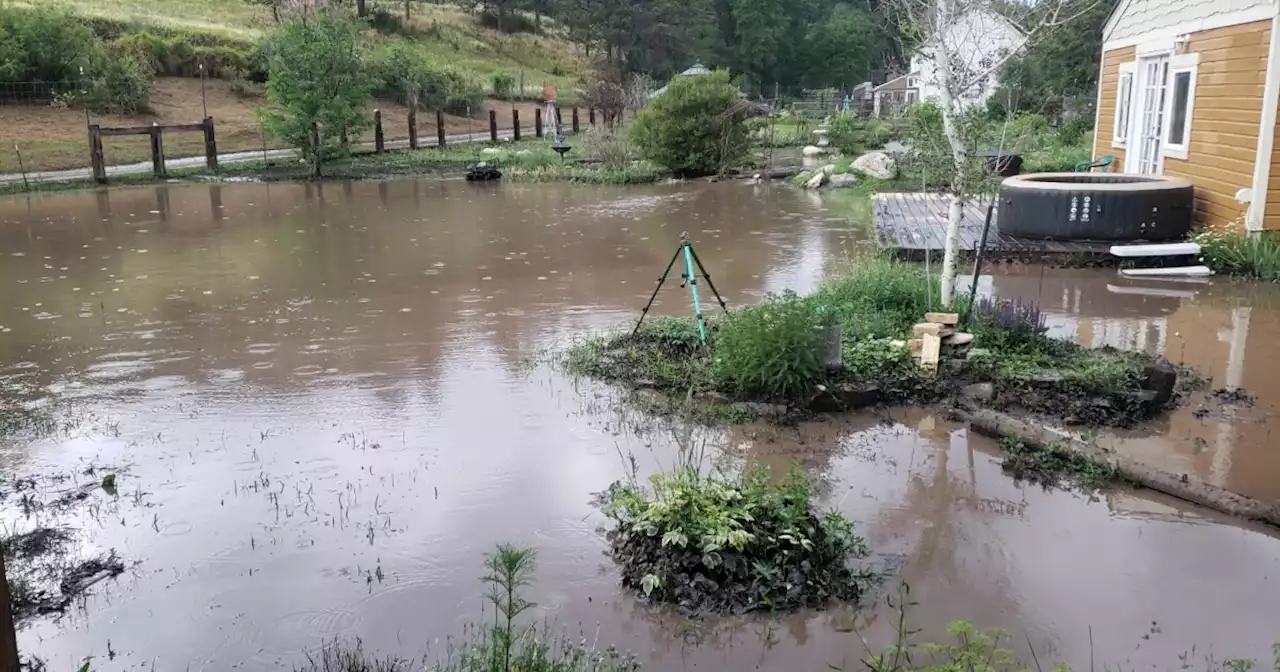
1148,183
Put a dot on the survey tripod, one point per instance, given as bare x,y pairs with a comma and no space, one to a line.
687,278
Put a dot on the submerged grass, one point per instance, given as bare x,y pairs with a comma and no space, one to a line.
1056,467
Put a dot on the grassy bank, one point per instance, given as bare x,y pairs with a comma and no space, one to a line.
773,353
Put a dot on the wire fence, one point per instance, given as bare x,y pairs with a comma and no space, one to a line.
38,93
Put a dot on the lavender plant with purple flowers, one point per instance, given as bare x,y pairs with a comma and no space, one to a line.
1009,321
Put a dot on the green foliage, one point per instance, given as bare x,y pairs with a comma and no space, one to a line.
117,86
772,350
1251,256
717,544
510,570
401,73
854,135
695,127
504,85
612,149
179,56
45,44
1062,66
665,353
1054,466
317,87
59,50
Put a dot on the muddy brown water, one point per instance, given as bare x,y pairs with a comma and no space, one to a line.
322,397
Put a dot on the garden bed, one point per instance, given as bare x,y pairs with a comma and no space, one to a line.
732,545
774,359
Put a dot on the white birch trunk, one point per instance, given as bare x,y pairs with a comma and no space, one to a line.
946,77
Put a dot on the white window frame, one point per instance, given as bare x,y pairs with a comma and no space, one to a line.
1178,64
1121,124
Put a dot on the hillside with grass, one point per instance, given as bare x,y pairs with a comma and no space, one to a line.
480,68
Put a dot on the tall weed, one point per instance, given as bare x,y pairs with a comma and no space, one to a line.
1250,256
773,349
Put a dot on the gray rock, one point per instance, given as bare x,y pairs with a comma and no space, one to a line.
978,392
813,151
1160,378
829,168
760,408
842,181
819,178
876,164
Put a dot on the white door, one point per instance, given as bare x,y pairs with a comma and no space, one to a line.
1154,89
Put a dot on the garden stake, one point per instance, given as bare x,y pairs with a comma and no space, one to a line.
689,278
977,261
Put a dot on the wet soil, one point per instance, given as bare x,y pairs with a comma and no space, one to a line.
324,396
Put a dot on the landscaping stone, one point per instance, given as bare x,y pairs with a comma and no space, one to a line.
1161,378
958,339
980,393
949,319
842,181
843,397
832,352
761,408
811,150
876,164
816,181
829,168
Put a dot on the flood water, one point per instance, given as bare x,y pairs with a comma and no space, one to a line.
322,401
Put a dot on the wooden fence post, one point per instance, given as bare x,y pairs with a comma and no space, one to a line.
537,123
440,129
210,145
515,125
591,116
413,127
559,120
157,150
493,126
96,158
379,140
575,120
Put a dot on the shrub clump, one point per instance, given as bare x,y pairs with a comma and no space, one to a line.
401,73
1255,256
695,127
709,544
772,350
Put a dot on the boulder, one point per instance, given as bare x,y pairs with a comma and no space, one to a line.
958,339
811,150
829,168
842,181
876,164
819,178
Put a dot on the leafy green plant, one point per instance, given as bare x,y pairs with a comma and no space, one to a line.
772,350
731,544
504,85
695,127
402,73
317,87
1246,255
510,570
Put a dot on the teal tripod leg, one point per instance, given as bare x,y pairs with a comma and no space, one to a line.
693,289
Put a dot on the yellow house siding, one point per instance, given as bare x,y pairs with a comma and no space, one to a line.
1109,83
1224,120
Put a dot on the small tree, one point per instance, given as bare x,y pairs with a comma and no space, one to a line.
695,127
956,49
316,86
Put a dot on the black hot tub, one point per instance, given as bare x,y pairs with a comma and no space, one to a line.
1095,206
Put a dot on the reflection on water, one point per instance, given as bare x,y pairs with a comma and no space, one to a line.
323,401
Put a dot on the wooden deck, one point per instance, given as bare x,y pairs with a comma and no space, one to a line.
915,224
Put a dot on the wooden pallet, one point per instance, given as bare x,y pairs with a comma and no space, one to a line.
915,223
